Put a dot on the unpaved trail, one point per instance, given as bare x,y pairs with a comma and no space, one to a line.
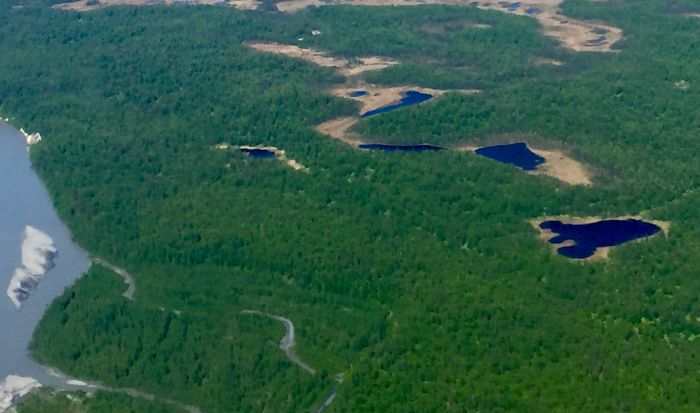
72,384
128,279
288,341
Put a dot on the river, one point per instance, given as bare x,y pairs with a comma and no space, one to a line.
24,202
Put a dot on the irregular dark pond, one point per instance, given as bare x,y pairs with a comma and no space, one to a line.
410,97
405,148
357,93
258,153
513,6
589,237
517,154
533,10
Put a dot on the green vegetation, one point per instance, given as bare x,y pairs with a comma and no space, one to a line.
417,275
46,401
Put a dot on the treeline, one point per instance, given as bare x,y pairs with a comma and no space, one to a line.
419,276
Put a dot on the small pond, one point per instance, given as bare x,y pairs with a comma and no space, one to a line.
405,148
258,153
533,10
517,154
357,93
589,237
410,97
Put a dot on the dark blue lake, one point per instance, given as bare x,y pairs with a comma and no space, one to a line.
258,153
357,93
533,10
410,97
589,237
513,6
405,148
517,154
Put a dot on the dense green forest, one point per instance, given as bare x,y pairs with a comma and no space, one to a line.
418,276
46,401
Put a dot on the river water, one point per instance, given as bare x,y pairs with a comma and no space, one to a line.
25,202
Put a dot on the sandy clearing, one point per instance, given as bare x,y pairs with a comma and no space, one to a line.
600,253
543,61
559,166
346,67
89,5
556,165
339,129
379,96
574,34
280,154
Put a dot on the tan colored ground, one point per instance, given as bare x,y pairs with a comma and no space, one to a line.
89,5
556,165
378,96
559,166
281,155
574,34
339,129
344,66
600,253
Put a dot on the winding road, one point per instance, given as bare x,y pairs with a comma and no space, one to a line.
288,342
128,279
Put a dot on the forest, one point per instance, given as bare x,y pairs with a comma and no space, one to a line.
418,277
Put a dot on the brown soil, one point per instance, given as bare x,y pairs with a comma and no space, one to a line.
574,34
344,66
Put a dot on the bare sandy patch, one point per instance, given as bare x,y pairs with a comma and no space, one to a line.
574,34
601,252
682,85
559,166
89,5
281,155
346,67
556,165
380,96
542,61
340,129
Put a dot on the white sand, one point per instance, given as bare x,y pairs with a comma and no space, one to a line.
31,138
14,388
38,252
